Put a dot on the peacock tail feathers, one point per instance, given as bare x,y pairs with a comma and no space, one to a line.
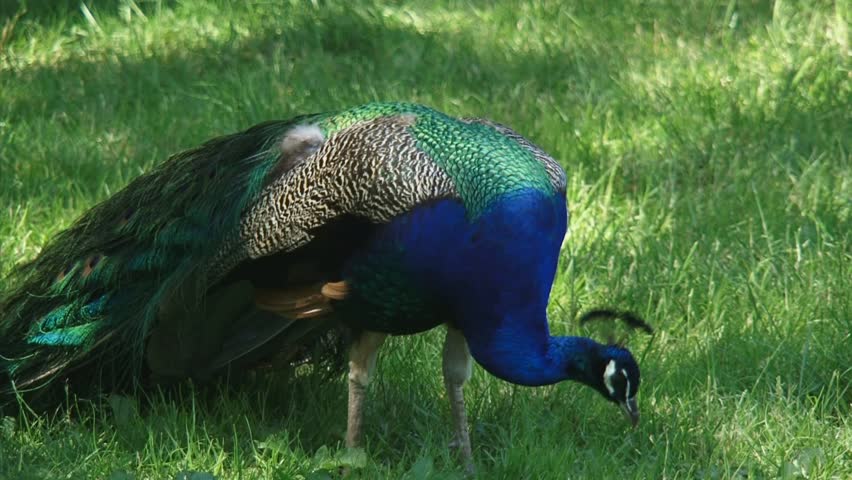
107,276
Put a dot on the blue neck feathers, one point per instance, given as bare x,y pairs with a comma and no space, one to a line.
517,360
497,272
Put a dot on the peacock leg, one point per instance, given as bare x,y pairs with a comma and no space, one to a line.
457,369
362,361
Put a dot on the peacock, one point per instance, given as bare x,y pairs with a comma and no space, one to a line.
261,246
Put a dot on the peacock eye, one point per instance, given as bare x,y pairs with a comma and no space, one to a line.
619,384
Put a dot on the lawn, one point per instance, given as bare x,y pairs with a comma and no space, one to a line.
708,152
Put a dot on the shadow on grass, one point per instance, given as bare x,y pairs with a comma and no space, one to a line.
341,49
667,17
165,102
802,368
359,46
50,12
330,59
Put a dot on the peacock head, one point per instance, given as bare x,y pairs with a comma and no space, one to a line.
617,373
618,380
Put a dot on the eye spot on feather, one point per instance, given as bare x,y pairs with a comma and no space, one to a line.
126,216
90,264
64,273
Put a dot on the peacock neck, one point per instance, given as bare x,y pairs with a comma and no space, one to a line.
515,355
501,287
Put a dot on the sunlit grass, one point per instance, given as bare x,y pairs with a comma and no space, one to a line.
707,149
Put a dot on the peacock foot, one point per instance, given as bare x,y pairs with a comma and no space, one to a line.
461,449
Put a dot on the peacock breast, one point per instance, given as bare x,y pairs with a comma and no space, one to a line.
436,262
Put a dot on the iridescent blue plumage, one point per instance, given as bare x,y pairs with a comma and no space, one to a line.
490,277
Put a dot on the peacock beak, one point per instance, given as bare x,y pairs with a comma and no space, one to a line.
631,410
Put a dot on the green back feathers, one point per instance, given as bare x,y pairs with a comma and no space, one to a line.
484,162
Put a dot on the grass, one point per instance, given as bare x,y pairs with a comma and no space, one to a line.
710,184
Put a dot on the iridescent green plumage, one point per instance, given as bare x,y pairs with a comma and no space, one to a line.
466,151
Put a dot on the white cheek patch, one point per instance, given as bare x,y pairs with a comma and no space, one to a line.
627,379
607,377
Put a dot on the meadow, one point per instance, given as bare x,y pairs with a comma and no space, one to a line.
707,146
